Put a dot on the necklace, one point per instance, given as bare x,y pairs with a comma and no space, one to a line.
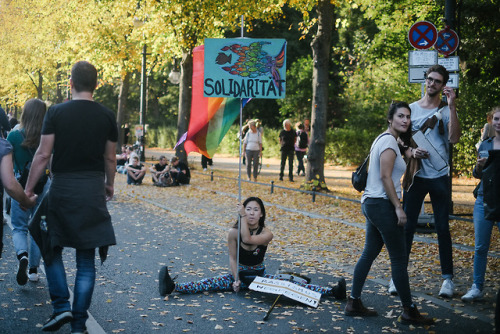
252,231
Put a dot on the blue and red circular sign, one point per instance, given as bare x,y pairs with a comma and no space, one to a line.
447,41
422,35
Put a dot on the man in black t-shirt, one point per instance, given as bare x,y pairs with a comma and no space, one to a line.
135,172
81,137
159,169
287,142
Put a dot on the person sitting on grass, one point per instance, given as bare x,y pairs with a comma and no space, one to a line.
135,172
255,237
159,170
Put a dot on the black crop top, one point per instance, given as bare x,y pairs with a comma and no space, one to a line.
254,257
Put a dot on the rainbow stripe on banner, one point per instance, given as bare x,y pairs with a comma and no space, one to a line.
211,117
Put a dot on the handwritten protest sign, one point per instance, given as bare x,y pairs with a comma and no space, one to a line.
286,288
245,68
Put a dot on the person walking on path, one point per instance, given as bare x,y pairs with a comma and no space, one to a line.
287,143
482,227
83,168
385,218
10,184
255,237
301,147
252,149
428,180
25,141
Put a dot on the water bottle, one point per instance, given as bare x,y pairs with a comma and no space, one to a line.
43,224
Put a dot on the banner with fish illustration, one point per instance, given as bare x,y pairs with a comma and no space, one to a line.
245,68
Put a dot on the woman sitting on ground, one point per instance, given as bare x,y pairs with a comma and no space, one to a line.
385,218
255,238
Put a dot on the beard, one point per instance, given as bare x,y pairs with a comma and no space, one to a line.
434,93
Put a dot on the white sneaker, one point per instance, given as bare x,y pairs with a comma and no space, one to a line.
33,277
447,288
204,169
473,294
392,288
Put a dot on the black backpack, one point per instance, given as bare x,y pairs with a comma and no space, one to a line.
303,140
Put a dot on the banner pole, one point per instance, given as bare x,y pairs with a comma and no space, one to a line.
239,177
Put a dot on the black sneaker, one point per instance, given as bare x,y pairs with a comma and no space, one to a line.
167,284
22,276
57,320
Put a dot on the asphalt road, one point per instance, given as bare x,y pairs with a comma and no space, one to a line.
126,298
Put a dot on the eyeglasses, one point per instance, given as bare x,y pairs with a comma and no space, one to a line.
431,80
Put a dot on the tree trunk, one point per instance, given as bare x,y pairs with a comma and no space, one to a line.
39,88
184,101
320,45
122,105
59,97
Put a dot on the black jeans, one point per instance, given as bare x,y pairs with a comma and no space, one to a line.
300,159
382,228
287,155
439,191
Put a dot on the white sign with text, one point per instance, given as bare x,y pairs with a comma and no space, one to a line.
287,289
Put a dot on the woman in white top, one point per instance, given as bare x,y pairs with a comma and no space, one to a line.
252,148
385,218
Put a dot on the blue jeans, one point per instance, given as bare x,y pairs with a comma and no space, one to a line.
84,285
482,234
439,192
382,228
20,220
300,159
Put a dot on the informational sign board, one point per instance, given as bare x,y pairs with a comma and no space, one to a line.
447,41
422,35
287,289
245,68
422,58
453,80
417,74
451,63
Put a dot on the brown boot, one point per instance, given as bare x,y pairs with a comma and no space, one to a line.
355,307
411,315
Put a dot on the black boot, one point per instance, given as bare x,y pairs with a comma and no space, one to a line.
411,315
167,284
339,291
355,307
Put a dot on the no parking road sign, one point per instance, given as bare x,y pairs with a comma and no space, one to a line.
422,35
447,41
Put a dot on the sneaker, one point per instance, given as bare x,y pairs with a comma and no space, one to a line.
392,288
447,288
204,169
167,284
57,320
22,276
80,332
33,277
473,294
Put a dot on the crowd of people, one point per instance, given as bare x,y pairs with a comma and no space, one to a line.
50,155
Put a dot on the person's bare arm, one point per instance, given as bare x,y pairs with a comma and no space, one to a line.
387,159
40,162
12,187
454,129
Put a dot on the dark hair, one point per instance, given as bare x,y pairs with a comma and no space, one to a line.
440,70
31,121
395,105
173,159
84,77
262,210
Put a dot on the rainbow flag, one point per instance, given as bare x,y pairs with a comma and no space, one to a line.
211,117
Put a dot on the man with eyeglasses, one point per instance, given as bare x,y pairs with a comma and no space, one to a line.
428,180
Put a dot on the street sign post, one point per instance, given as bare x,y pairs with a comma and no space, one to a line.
422,58
451,63
447,41
422,35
